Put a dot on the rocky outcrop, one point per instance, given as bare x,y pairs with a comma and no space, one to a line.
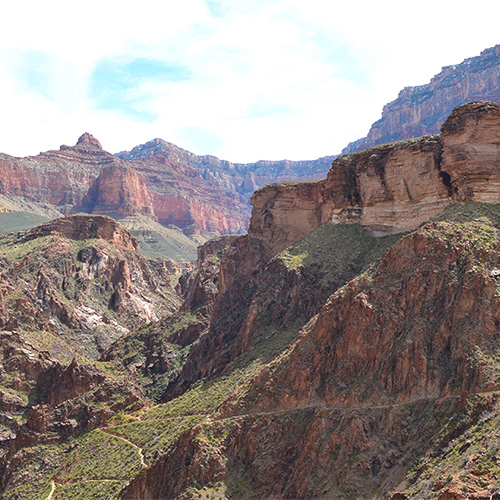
83,227
471,151
284,213
390,188
118,191
80,277
422,110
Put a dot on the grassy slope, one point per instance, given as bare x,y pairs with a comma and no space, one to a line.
156,240
17,221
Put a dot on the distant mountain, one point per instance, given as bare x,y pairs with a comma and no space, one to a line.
85,178
201,196
241,178
423,109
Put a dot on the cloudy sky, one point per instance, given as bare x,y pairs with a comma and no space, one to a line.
240,79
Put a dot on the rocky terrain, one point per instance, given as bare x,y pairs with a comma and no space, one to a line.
347,347
393,187
190,198
422,110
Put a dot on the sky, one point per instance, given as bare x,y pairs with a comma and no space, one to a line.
243,80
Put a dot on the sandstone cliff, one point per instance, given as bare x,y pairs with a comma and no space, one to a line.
393,187
422,110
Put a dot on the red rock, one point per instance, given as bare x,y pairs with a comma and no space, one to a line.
118,191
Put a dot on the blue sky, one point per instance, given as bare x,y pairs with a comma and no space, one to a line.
244,81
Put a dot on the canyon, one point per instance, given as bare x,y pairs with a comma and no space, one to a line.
345,344
346,347
198,196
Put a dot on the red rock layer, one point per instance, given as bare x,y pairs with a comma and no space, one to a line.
87,178
118,190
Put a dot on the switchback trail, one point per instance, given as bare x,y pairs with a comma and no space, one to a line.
139,450
52,490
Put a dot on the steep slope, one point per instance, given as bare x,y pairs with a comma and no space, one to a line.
367,386
67,289
422,110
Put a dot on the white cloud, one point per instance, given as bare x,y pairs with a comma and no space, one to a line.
266,79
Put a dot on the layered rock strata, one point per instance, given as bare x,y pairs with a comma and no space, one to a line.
422,110
85,178
390,188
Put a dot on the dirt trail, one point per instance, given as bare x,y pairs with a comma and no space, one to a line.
52,490
139,450
319,406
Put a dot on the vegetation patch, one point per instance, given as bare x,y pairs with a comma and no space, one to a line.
98,456
87,490
155,436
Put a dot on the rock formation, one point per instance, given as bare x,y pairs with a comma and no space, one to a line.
390,188
382,373
86,178
323,355
422,110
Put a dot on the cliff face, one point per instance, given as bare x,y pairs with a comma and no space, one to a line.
422,110
87,178
393,187
471,151
118,191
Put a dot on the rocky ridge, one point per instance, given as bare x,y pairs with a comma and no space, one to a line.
422,110
241,178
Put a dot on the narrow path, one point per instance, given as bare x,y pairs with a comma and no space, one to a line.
319,406
52,490
139,450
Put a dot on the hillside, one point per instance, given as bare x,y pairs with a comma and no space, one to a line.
347,347
423,109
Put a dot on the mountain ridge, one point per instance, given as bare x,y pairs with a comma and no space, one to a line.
422,109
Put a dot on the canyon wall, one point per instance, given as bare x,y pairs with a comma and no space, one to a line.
390,188
423,109
86,178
